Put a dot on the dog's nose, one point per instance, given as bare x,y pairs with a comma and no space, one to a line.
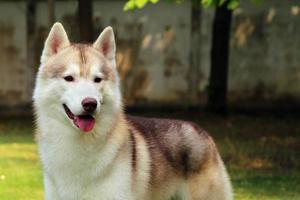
89,104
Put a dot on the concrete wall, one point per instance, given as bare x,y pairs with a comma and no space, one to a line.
265,52
154,50
13,69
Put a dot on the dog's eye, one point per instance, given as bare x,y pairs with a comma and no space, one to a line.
97,80
69,78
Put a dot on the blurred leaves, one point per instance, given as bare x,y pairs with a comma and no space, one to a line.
134,4
138,4
232,4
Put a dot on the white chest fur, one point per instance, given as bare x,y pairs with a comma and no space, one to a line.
75,168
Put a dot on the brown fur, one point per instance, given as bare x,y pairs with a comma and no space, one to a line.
178,149
133,151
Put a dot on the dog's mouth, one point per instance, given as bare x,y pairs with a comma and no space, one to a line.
84,122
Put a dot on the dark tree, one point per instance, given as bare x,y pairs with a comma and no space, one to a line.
195,52
31,41
51,16
85,15
217,97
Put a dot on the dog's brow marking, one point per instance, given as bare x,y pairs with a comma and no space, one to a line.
83,61
84,68
82,55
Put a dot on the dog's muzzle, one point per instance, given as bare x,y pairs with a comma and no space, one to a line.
86,121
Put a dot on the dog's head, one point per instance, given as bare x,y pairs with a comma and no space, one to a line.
78,83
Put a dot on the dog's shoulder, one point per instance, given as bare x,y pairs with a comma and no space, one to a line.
184,144
159,127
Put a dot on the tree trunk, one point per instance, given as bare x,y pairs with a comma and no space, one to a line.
217,99
51,8
85,14
32,63
194,69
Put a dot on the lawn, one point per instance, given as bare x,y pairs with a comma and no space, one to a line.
262,155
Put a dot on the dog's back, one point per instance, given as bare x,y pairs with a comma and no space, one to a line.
183,159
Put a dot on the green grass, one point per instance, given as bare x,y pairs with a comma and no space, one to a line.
262,156
20,171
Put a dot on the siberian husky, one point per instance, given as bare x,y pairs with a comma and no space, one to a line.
90,149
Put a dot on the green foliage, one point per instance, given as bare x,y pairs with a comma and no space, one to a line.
232,4
138,4
134,4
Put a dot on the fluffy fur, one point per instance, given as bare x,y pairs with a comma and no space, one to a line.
122,157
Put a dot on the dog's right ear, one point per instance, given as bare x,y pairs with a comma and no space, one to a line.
56,41
106,43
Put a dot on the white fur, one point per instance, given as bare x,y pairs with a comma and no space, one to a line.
77,165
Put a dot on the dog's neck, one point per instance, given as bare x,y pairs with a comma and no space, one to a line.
101,150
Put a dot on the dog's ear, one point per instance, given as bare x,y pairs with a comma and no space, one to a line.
56,41
106,43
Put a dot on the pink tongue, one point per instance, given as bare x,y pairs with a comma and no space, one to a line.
85,124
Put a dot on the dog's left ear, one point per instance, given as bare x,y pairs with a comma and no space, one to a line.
106,43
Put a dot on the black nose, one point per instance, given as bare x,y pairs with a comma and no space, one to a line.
89,104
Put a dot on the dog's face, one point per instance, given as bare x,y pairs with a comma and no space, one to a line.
78,83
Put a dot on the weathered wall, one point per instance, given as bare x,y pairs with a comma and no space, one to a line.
13,73
265,52
154,50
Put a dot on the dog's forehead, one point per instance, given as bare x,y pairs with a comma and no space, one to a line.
88,54
89,59
79,59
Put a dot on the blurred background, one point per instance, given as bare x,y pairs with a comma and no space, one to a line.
231,66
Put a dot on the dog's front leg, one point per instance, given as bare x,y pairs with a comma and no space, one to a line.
51,192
